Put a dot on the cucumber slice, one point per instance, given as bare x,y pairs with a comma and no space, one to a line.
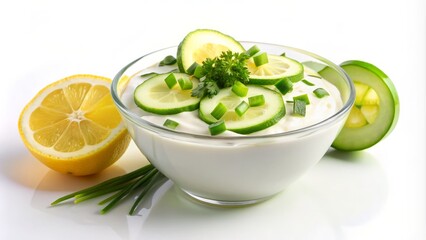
202,44
155,96
254,119
276,69
376,108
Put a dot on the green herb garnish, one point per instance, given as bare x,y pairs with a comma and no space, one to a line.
168,60
137,183
170,124
222,72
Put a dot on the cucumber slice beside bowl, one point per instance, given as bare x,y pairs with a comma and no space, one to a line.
254,119
201,44
376,109
155,96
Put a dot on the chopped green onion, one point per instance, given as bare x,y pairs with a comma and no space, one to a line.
284,86
299,107
168,60
257,100
307,82
260,59
185,83
219,111
320,92
170,124
192,68
242,108
170,80
303,97
239,89
199,72
217,127
252,51
282,54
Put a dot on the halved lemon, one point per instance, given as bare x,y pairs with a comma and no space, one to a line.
73,126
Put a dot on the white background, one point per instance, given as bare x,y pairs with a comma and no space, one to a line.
375,194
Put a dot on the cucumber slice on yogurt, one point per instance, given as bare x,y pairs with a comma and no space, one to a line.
254,119
155,96
201,44
376,109
277,69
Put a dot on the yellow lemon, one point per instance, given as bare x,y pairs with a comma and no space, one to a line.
73,126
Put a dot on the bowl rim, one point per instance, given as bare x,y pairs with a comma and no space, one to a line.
162,130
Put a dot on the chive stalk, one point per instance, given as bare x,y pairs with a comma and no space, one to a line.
141,180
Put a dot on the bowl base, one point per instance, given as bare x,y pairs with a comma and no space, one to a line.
224,203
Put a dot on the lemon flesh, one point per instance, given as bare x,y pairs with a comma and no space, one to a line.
73,126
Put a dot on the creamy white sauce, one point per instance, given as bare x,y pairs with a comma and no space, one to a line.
318,110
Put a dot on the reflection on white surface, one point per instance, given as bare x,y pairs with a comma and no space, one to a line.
334,194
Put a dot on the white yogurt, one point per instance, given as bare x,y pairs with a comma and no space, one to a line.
234,171
189,122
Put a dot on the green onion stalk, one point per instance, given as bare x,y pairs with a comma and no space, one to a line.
137,183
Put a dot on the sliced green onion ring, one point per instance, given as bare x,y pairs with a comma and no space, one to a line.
170,80
260,59
240,89
217,127
321,92
257,100
284,86
219,111
242,108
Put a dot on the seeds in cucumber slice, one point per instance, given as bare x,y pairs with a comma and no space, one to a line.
153,95
254,118
376,109
277,69
201,44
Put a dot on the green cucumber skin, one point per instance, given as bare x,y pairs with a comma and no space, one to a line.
357,139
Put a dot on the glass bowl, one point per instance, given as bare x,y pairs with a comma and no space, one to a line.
234,170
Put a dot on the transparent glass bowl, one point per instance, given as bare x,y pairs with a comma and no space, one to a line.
235,170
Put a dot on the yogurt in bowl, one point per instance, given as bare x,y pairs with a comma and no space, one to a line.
232,168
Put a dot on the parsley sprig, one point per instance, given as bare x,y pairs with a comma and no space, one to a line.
222,72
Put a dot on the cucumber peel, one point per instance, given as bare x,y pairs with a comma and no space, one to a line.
376,109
